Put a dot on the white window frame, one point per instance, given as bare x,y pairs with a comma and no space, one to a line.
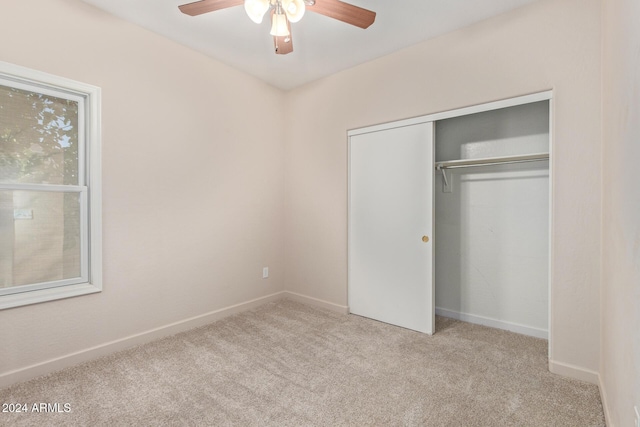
89,186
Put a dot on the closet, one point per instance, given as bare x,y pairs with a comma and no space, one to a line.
449,215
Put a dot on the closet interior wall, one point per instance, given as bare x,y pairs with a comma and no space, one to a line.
492,229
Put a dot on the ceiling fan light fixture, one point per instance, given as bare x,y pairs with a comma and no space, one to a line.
256,9
279,26
294,9
283,12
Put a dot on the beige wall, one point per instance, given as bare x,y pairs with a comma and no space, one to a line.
550,44
620,363
193,194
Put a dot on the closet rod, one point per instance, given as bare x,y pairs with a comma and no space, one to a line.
452,164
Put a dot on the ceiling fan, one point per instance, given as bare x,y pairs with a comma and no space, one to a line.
284,12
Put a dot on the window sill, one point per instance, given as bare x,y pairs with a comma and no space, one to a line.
43,295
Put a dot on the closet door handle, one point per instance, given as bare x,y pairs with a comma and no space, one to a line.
425,239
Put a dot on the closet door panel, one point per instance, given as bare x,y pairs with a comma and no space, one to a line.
391,226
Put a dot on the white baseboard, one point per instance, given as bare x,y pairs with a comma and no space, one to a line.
494,323
29,372
575,372
605,400
342,309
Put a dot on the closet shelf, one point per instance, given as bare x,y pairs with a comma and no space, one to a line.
465,163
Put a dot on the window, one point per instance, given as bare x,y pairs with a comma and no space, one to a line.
50,210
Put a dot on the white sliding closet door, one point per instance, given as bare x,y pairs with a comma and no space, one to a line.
391,226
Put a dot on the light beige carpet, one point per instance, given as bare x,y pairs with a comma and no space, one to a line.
289,364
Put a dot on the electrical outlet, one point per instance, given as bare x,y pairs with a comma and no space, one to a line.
265,272
637,419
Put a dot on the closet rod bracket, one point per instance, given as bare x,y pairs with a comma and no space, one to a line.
446,185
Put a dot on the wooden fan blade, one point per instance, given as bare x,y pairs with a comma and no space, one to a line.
344,12
283,47
204,6
283,44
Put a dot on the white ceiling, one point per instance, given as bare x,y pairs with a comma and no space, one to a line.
322,46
